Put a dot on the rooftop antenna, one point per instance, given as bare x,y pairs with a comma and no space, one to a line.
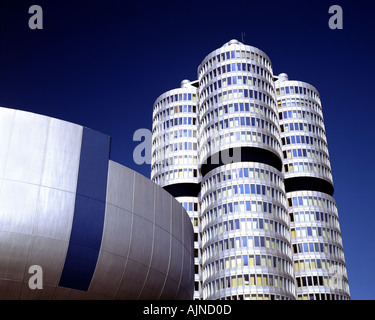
243,36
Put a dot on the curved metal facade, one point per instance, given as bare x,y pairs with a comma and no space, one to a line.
97,229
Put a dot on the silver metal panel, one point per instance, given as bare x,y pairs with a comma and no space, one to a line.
120,186
161,250
176,265
187,276
188,234
142,239
50,255
163,208
95,296
144,197
116,231
27,147
108,264
14,250
61,160
6,124
44,294
10,289
169,290
153,286
62,293
54,214
177,212
133,281
18,202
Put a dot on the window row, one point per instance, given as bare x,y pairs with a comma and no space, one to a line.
162,126
301,114
255,296
175,160
176,134
217,143
176,174
318,247
240,207
243,189
308,167
322,296
235,54
299,102
175,110
302,126
306,153
233,67
179,121
210,105
301,139
312,201
255,206
296,90
239,261
237,122
244,225
313,264
241,173
234,81
249,280
231,108
332,283
178,146
244,242
316,232
308,216
174,98
240,93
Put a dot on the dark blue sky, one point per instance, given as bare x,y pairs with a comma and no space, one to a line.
102,64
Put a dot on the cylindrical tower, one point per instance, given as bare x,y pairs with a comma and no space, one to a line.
245,228
174,163
318,256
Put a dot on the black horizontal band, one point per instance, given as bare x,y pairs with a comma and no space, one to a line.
183,189
247,154
308,183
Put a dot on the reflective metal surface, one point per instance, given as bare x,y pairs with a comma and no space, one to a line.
145,248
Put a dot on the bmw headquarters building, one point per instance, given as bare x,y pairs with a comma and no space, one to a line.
239,206
245,152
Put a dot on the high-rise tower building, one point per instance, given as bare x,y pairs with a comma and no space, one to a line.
239,172
318,255
245,227
175,156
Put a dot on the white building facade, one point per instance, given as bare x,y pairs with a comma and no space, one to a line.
243,186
